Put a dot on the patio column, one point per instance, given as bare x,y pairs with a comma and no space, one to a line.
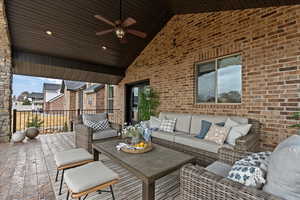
5,78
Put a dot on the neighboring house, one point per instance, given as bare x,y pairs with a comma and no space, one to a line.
37,100
50,91
56,103
73,92
94,97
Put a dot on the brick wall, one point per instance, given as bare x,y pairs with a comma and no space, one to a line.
269,42
100,99
96,102
5,78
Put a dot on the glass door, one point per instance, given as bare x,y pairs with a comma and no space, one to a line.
132,101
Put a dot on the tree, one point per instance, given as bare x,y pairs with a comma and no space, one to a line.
23,96
26,102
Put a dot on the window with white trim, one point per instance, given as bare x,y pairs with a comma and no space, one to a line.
110,98
219,80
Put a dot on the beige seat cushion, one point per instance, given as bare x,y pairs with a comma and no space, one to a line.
219,168
166,136
107,133
71,156
88,176
192,141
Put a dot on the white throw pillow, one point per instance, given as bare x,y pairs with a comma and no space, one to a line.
154,123
236,132
168,125
230,123
247,175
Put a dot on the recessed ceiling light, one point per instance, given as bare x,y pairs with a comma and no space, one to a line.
49,32
104,47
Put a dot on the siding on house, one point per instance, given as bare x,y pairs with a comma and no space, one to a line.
268,40
56,103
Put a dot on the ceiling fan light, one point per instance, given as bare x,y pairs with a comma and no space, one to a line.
48,32
120,33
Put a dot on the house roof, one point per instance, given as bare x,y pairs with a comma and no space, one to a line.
51,86
72,85
94,88
36,95
56,97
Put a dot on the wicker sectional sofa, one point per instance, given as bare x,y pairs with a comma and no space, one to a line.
197,182
188,125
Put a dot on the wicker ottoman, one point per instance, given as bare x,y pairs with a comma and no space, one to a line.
89,178
69,159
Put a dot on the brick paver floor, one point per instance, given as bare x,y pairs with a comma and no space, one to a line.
24,174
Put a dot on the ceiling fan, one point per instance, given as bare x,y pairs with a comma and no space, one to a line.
120,28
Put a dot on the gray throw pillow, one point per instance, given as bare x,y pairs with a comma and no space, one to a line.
283,171
237,132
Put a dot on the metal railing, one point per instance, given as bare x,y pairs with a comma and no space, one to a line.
54,121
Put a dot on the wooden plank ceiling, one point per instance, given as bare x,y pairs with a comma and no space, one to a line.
73,28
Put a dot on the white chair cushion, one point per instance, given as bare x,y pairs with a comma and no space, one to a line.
107,133
88,176
71,156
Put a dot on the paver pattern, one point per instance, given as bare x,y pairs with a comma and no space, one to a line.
24,174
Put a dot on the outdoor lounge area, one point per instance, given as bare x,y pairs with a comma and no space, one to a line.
195,100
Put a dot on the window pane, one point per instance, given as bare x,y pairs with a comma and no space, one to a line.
110,105
230,79
206,82
110,91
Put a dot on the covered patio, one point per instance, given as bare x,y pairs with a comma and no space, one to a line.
223,78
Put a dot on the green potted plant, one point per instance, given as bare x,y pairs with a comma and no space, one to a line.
148,103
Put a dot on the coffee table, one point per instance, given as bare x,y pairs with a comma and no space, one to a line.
148,166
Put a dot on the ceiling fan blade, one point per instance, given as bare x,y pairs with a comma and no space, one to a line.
104,20
105,32
137,33
128,22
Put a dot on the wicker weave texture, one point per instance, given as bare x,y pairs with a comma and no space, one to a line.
198,183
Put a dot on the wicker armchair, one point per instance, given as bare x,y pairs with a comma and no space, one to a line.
84,134
198,183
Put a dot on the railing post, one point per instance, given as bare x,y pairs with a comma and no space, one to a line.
14,115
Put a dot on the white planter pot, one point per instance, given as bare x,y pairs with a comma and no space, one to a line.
18,136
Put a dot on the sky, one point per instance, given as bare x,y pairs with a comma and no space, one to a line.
30,83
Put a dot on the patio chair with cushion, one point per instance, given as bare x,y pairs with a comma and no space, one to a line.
280,173
85,135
